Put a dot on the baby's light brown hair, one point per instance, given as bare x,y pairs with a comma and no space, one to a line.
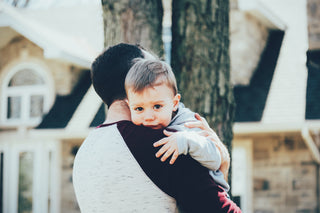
149,73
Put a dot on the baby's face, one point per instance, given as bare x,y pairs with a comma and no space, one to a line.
153,106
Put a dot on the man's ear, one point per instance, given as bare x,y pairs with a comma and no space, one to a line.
176,101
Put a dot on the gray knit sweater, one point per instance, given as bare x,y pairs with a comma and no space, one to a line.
198,147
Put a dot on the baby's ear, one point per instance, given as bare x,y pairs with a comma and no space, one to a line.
176,101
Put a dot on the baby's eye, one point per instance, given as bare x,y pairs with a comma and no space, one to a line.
157,106
139,109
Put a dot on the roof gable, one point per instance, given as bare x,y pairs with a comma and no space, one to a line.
64,106
250,100
56,44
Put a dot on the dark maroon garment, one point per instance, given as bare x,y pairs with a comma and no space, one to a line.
186,180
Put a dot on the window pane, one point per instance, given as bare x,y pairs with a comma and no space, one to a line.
36,106
25,182
25,77
14,107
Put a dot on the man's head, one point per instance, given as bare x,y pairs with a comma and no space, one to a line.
152,93
109,70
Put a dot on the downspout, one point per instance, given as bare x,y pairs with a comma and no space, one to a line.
305,133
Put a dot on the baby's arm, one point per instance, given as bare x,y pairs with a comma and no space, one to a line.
200,148
210,134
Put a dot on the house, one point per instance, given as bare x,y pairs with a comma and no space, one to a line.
277,125
48,105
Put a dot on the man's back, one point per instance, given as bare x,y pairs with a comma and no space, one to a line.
107,178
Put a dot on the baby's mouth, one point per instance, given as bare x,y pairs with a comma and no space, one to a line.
153,126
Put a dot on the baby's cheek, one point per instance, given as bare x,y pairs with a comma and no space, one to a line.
135,119
166,122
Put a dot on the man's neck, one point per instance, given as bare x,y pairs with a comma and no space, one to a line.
118,111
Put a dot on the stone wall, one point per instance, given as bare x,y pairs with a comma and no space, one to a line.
314,24
248,38
284,176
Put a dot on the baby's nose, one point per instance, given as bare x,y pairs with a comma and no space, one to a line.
149,115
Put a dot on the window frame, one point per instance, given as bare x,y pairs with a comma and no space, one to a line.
25,92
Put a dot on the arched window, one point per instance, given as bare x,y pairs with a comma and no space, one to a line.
25,96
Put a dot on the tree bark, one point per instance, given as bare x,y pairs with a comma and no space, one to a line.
201,62
135,22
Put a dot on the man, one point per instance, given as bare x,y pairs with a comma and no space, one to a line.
114,166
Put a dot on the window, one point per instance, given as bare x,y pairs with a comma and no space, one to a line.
25,96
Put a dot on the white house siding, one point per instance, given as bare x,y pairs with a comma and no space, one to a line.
287,96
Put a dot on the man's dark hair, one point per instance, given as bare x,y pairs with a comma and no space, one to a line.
109,71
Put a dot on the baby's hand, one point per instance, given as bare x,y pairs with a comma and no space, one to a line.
170,147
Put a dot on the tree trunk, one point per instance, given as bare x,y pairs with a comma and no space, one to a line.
200,59
135,22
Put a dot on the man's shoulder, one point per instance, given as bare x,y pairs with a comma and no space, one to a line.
105,166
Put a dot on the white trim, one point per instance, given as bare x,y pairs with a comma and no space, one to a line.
55,183
311,144
243,128
40,150
246,195
56,45
262,13
261,128
44,134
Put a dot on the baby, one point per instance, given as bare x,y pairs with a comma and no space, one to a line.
154,102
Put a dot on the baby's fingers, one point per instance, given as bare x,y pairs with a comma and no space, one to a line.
162,150
160,142
194,124
167,154
203,133
174,157
167,133
198,117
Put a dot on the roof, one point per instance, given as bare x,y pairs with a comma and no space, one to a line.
57,44
100,116
64,106
250,100
313,86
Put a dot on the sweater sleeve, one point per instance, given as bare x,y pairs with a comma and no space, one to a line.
199,148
